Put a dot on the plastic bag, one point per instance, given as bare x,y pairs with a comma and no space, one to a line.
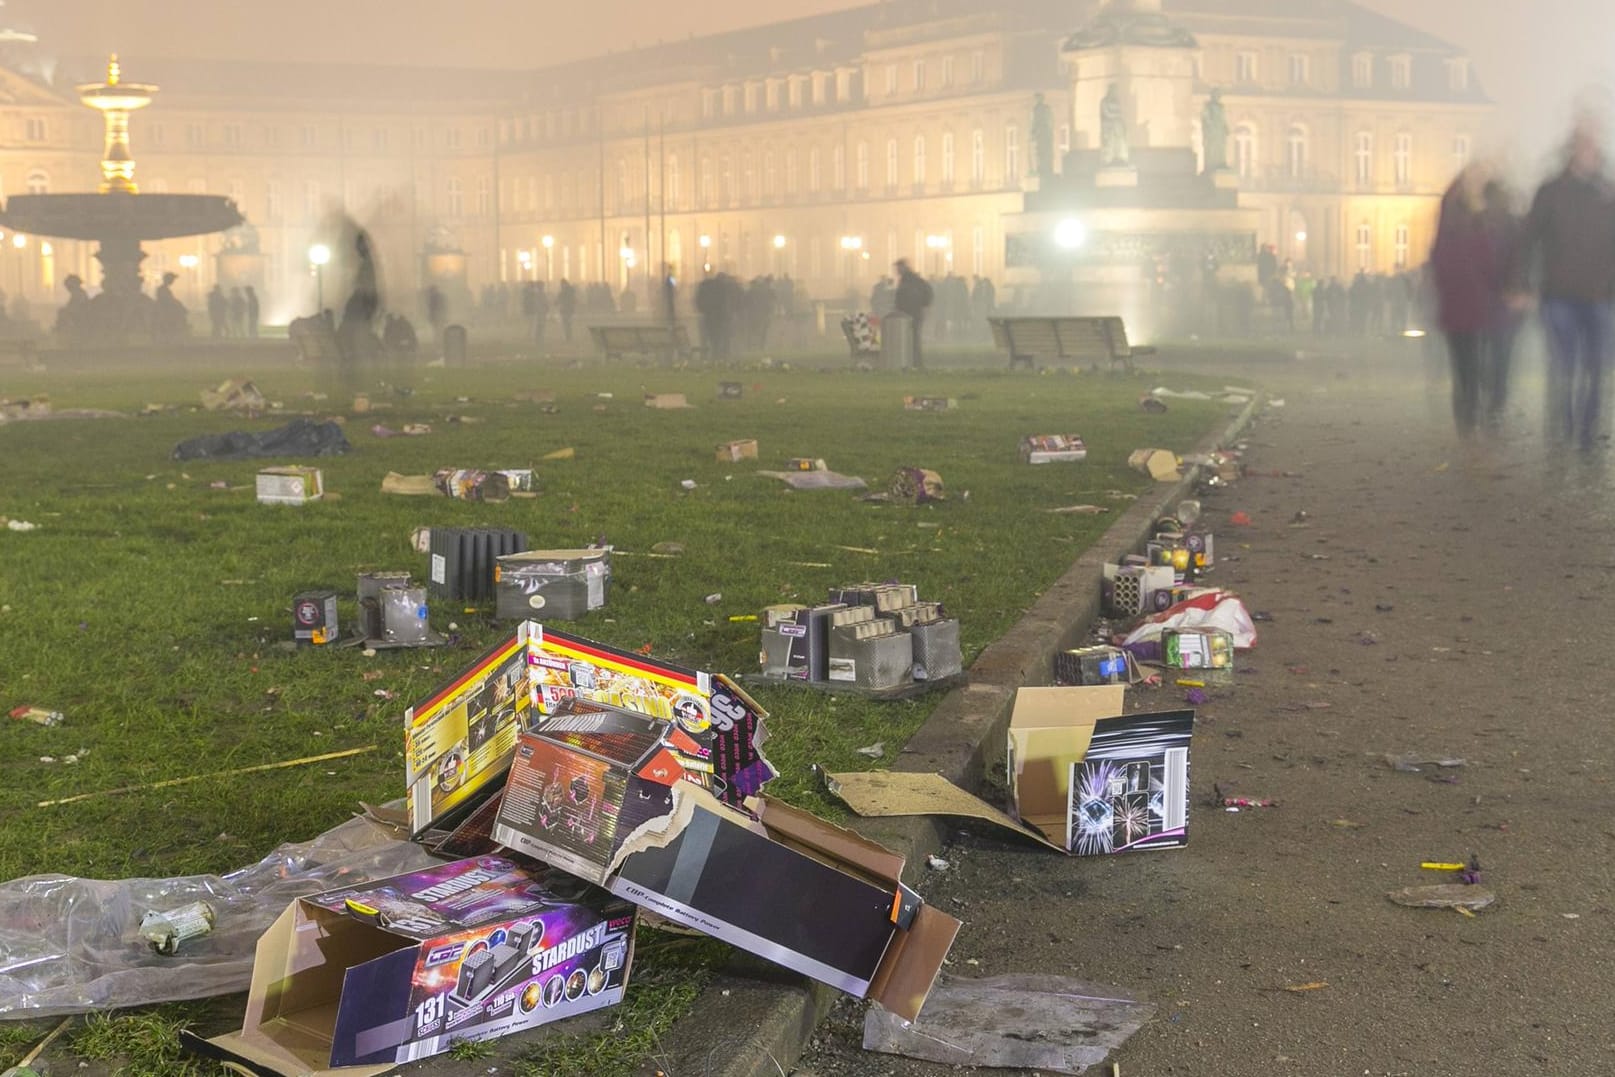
70,945
1210,607
300,437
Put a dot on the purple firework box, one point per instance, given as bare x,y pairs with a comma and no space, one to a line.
363,978
1095,779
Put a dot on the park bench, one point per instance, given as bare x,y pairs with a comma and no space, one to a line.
315,341
613,341
1030,338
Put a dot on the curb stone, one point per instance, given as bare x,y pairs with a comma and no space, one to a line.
777,1014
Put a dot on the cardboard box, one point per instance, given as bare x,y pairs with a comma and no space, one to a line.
1094,779
666,400
559,584
392,971
732,451
1200,647
1053,448
796,642
1159,464
290,485
801,892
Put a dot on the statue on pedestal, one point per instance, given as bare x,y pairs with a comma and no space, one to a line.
1112,129
1042,131
1214,133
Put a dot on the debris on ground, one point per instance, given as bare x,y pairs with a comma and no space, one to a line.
37,715
235,394
873,751
1443,896
1413,763
1050,1024
300,437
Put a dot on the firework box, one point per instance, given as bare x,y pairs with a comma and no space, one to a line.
1094,779
358,980
1052,448
929,403
290,485
1159,464
731,451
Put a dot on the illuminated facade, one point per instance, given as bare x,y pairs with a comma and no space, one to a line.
822,147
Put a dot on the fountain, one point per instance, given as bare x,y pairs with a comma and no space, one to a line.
119,217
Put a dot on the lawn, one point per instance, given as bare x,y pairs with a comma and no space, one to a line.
153,609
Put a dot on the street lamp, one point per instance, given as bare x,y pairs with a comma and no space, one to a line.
19,241
548,243
1070,234
779,243
705,243
189,262
524,258
318,256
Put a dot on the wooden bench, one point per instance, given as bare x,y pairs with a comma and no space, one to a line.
613,341
1030,338
315,341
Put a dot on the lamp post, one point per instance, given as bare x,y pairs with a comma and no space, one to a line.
189,262
705,243
851,246
318,255
19,241
524,258
548,243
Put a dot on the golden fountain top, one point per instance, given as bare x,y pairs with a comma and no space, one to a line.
115,99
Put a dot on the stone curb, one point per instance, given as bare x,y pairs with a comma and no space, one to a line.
780,1012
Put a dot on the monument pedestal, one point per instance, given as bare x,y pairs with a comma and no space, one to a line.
1116,176
1223,180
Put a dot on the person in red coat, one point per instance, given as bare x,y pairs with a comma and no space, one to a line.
1470,264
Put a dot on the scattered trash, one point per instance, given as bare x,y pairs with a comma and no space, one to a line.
1468,870
171,782
1078,510
167,930
1297,989
236,394
667,401
1050,1024
21,525
731,451
1414,764
1153,404
568,453
300,437
688,484
1240,519
817,479
1159,464
1195,697
289,485
936,863
929,403
1443,896
873,751
38,715
714,598
916,486
670,549
1053,448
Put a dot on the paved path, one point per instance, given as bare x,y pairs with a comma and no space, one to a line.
1494,574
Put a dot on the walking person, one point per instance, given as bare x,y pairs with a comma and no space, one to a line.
914,295
1507,230
566,305
253,311
1570,241
1470,273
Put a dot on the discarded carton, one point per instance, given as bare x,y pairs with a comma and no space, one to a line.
916,486
290,485
666,401
235,394
929,403
387,972
1095,779
1159,464
1127,590
732,451
1200,647
1053,448
561,584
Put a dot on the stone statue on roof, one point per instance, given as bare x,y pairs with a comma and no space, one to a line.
1214,132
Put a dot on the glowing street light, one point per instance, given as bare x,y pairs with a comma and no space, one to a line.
1300,237
548,243
188,261
705,242
1070,234
937,243
318,256
779,243
524,258
852,243
19,241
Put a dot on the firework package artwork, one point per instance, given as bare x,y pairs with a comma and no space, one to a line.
1094,779
289,485
1053,449
399,969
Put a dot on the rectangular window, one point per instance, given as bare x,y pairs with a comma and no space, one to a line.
813,170
1362,70
232,134
1460,152
309,136
1245,67
1012,156
36,129
978,157
195,135
1300,69
947,159
1400,246
1365,246
978,66
839,168
978,250
919,75
891,163
1363,158
1401,72
891,78
1404,159
862,173
947,72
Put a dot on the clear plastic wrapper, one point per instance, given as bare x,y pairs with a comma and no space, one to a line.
70,945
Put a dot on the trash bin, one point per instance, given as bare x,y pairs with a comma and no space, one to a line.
454,346
896,341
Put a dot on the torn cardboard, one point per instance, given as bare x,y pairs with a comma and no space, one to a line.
667,401
357,980
1159,464
289,485
877,794
235,394
732,451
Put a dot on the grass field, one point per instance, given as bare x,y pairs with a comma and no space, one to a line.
153,610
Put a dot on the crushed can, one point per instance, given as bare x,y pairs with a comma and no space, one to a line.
167,930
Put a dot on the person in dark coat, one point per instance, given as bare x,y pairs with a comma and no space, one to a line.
253,313
1470,272
913,298
218,312
566,305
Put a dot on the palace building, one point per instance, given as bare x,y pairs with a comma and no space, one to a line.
823,148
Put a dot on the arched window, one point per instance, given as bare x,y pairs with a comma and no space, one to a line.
456,197
978,157
1365,246
39,181
919,160
862,174
891,162
1245,150
768,174
1296,143
790,171
838,167
947,158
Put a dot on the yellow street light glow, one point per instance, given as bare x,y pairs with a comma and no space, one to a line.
705,242
548,242
319,254
19,241
852,243
188,261
779,243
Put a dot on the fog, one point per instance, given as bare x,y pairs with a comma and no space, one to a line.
1532,57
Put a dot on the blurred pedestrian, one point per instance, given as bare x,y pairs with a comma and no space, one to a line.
1570,240
913,297
253,311
1470,267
